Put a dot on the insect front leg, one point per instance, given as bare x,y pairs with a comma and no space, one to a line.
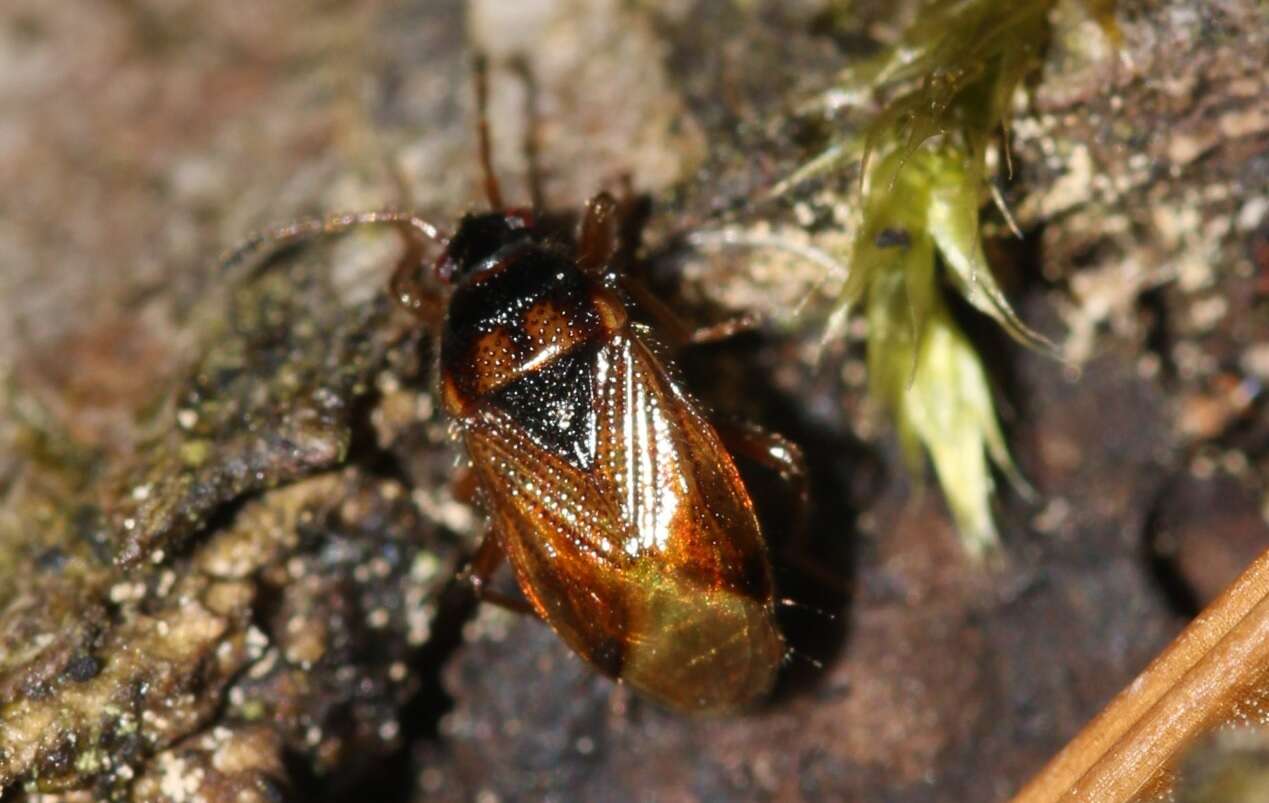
677,331
410,286
597,243
272,239
611,230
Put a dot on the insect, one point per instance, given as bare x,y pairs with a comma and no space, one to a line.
607,488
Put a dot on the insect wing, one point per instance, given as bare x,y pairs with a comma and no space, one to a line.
654,515
678,490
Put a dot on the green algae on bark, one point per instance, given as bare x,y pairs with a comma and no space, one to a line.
269,400
185,609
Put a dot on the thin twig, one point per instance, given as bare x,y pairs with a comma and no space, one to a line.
1216,671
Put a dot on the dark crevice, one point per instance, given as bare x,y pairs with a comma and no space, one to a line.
1158,338
364,450
1180,597
420,718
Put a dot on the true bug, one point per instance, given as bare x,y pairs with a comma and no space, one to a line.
607,488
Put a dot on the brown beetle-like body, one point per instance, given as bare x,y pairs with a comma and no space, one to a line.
611,495
609,492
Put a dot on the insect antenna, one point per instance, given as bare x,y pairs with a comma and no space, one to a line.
493,191
530,146
277,237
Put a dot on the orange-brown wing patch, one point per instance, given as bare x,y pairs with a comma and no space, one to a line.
493,360
543,492
660,513
675,484
561,534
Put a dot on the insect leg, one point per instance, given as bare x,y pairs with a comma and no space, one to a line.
270,240
786,459
597,242
724,330
409,286
776,453
611,230
466,487
480,571
632,214
674,328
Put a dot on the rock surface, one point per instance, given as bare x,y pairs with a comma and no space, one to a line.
226,516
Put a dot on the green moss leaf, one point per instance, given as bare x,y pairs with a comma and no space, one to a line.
938,391
923,181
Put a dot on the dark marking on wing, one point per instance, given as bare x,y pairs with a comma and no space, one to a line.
555,405
608,655
754,580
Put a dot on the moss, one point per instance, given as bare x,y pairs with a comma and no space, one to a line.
923,162
937,388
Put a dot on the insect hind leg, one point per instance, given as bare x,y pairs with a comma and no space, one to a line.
778,454
479,573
